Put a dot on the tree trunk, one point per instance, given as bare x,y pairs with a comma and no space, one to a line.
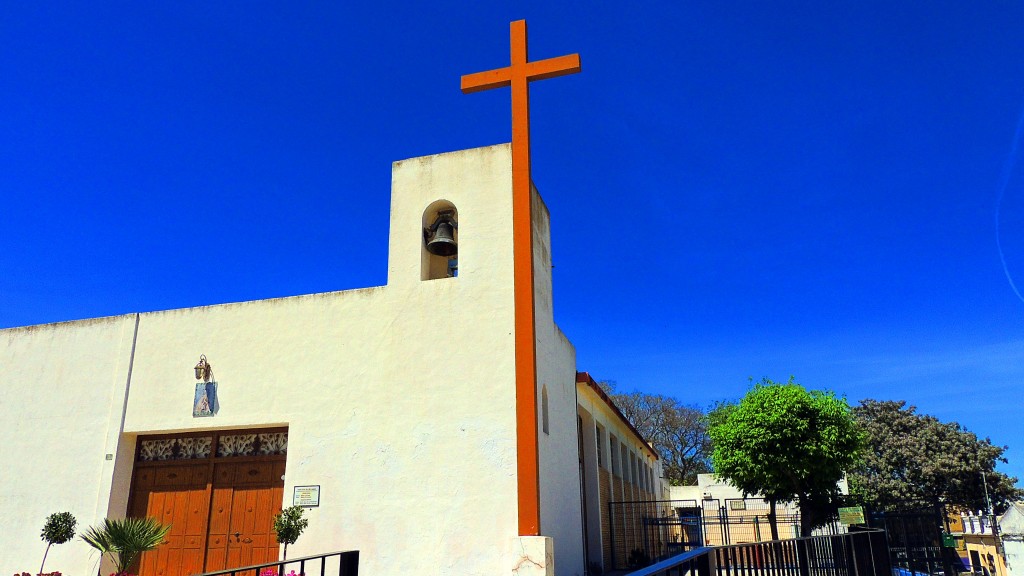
48,544
285,553
806,516
773,519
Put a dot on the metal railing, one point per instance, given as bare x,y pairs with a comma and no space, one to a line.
330,564
915,540
695,562
863,553
647,531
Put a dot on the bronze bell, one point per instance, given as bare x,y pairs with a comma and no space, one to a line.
443,242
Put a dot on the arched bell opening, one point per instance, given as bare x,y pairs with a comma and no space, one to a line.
440,247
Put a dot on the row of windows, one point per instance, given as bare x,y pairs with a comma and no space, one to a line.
635,470
624,462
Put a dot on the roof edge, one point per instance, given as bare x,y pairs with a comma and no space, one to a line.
586,378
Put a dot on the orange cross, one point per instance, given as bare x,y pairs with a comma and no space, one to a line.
518,75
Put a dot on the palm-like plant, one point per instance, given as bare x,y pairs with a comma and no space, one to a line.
125,538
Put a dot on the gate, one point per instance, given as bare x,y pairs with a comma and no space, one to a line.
915,542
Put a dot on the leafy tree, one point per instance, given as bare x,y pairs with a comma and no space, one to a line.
912,460
677,432
58,529
787,443
125,538
288,525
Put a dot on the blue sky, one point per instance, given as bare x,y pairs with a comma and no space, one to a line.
737,189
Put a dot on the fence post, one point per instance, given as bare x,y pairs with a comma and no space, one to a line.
349,564
880,557
644,540
706,564
803,559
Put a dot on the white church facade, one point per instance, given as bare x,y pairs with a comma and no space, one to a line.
402,449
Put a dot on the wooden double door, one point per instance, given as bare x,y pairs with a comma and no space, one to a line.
220,510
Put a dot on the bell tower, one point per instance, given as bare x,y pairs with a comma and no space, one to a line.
451,219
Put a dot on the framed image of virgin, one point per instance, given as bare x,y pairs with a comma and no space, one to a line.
205,402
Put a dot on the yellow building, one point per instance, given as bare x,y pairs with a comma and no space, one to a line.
978,545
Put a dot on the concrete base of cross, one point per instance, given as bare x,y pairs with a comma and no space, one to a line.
533,556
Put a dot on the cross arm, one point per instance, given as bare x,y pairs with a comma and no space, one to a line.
553,67
486,80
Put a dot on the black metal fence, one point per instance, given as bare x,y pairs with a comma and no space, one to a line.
642,532
329,564
915,541
861,553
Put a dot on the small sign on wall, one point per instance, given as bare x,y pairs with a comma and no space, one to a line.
306,496
851,516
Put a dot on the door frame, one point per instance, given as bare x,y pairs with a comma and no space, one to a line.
211,460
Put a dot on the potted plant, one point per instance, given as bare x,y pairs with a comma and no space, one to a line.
58,529
288,525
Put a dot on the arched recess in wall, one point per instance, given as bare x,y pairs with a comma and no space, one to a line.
440,247
544,409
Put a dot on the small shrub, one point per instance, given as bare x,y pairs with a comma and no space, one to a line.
58,529
288,525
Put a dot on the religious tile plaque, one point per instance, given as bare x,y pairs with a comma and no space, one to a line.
205,402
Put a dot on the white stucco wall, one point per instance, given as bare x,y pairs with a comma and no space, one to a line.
1011,530
707,484
592,501
63,392
719,488
557,451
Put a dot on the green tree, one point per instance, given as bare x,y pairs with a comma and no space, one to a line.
913,460
788,444
57,529
125,538
676,431
288,525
